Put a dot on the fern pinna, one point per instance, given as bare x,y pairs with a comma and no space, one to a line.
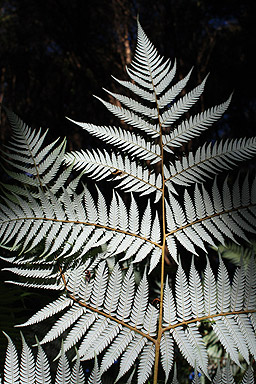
100,253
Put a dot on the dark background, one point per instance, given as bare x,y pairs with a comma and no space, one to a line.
56,54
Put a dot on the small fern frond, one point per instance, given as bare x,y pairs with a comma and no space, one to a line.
11,366
42,367
193,127
168,97
49,310
227,376
77,375
248,377
210,216
95,375
210,160
63,373
126,141
167,353
133,119
182,105
229,325
135,105
27,364
35,165
100,165
146,62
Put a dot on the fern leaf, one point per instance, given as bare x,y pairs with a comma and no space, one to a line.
184,345
11,366
217,378
138,91
133,216
79,329
126,296
226,339
211,214
197,378
143,252
101,165
33,272
237,336
169,308
27,364
196,292
116,348
167,352
248,376
227,376
174,379
154,259
245,326
210,290
92,335
146,59
38,165
134,247
146,363
182,295
171,94
250,286
53,286
113,290
193,127
140,303
223,288
172,247
130,355
103,340
237,289
77,375
196,340
182,105
209,161
132,118
146,219
150,320
125,140
165,77
95,377
63,371
42,367
99,288
63,323
49,310
74,280
135,105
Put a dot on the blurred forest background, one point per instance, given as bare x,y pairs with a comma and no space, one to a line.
56,54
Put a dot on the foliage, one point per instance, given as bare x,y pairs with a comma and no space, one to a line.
105,255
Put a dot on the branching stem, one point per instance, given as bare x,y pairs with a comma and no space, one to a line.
124,324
